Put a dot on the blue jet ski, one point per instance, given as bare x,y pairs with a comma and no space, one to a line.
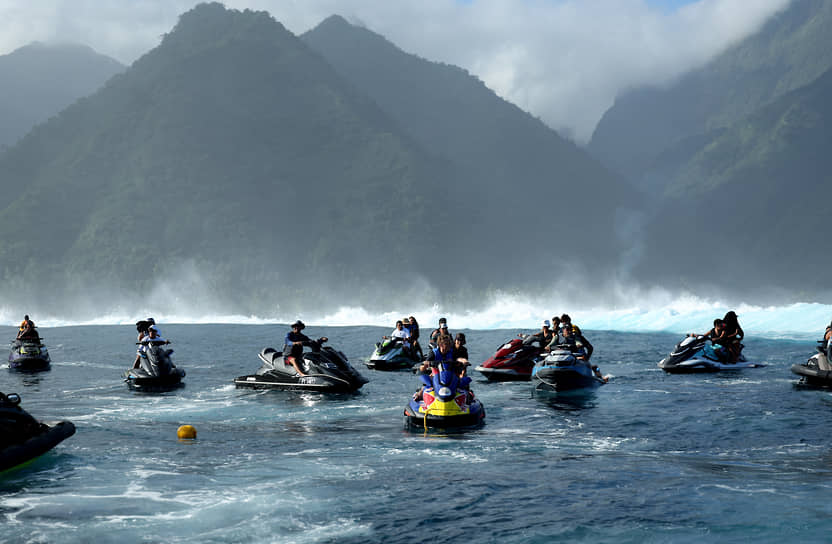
695,354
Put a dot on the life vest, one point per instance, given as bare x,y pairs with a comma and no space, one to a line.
440,357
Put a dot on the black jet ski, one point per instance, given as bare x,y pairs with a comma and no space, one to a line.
28,353
156,370
563,371
390,354
816,371
695,354
327,370
22,437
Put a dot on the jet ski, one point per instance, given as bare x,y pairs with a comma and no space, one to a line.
695,354
513,361
22,437
29,354
390,354
156,370
327,370
562,370
445,402
816,371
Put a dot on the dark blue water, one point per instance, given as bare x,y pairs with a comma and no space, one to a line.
649,457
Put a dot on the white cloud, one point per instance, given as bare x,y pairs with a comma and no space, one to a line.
562,60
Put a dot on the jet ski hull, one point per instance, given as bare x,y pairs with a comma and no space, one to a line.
30,364
416,417
138,381
294,383
327,371
704,366
815,372
558,380
29,357
563,371
512,362
390,357
696,356
19,454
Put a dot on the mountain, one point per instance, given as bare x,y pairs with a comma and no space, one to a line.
789,52
544,202
234,161
755,195
231,152
39,80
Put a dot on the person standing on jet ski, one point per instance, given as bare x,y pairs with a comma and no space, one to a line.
293,345
414,336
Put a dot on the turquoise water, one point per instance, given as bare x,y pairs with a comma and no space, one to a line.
649,457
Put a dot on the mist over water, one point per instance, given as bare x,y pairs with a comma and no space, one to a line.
625,310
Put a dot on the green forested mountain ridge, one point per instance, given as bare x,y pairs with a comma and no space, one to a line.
761,185
39,80
789,52
235,151
232,147
529,182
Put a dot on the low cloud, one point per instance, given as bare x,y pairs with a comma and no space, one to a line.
564,61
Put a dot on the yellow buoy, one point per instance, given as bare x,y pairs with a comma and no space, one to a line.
186,432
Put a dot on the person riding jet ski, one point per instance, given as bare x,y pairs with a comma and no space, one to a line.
293,345
543,337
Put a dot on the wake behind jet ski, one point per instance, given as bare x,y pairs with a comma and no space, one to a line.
817,371
304,364
22,437
154,370
694,354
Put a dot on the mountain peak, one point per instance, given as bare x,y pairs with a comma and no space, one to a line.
212,24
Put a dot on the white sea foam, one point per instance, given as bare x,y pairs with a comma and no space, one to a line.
636,311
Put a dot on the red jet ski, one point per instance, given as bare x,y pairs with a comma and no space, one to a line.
513,360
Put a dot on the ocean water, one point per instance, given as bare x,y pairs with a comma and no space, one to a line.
649,457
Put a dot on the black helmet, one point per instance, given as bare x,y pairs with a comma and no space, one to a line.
299,324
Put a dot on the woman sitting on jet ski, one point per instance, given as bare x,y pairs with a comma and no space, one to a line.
732,336
293,345
720,340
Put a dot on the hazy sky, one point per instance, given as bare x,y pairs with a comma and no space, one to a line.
562,60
